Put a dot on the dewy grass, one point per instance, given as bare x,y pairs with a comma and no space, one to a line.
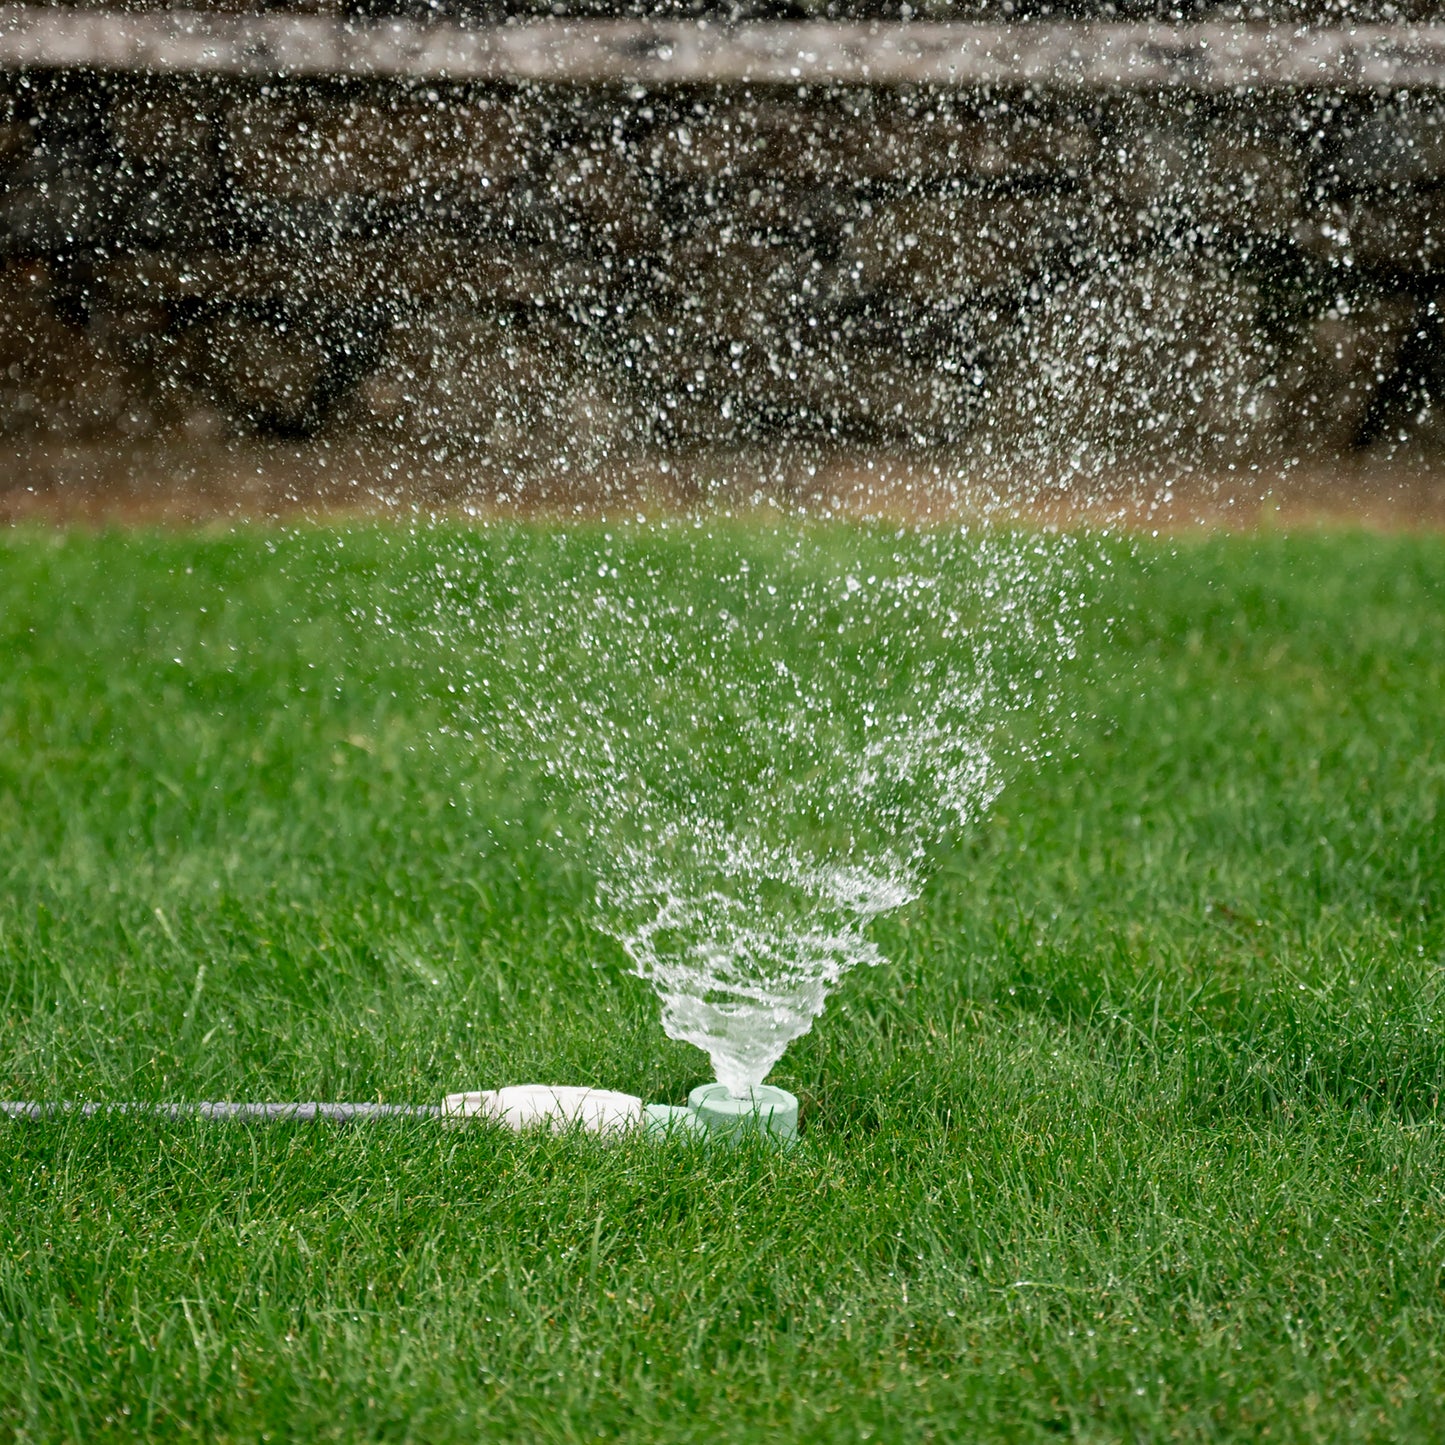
1135,1136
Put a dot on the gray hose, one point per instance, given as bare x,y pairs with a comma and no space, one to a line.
300,1113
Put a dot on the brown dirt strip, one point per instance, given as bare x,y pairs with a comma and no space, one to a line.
202,483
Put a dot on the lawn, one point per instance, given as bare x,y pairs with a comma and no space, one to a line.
1134,1137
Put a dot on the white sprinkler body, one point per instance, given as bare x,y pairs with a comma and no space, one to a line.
555,1106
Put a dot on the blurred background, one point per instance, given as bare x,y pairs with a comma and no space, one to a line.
244,270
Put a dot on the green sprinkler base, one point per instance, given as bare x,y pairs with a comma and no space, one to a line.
763,1110
667,1119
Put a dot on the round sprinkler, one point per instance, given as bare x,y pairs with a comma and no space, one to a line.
761,1110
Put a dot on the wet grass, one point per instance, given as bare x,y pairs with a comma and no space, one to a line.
1136,1138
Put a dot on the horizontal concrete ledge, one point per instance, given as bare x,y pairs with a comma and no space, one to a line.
283,1113
1038,55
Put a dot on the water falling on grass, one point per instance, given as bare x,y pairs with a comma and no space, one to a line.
755,737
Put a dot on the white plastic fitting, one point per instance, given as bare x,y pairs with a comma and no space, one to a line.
554,1106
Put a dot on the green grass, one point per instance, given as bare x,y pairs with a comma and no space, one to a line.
1136,1137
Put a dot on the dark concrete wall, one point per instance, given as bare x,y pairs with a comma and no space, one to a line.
522,271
